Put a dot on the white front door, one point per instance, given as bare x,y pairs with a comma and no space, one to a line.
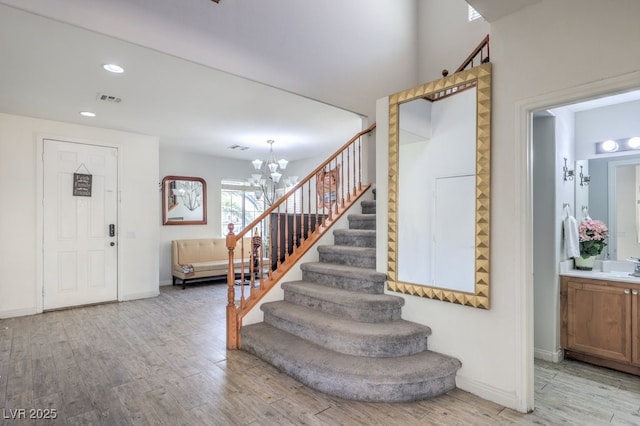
80,254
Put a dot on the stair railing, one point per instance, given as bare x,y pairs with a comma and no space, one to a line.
287,229
478,56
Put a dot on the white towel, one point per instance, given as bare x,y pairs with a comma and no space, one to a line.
571,240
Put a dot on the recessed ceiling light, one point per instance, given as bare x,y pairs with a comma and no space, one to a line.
117,69
634,142
87,114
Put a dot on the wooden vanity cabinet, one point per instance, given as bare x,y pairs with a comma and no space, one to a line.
600,322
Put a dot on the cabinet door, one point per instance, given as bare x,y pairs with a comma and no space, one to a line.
635,325
599,320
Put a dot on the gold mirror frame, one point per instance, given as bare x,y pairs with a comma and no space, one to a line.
479,76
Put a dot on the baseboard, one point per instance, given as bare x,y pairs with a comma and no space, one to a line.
490,393
18,313
168,282
542,354
144,295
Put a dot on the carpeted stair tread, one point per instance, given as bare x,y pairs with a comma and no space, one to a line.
348,250
363,257
355,237
358,306
398,379
367,280
388,339
362,221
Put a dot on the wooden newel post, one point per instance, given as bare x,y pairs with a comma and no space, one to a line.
232,311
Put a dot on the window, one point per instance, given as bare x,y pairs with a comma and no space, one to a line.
473,14
240,205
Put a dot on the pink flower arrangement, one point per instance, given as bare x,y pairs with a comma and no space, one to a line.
592,234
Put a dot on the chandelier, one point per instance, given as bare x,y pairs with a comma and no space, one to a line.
268,177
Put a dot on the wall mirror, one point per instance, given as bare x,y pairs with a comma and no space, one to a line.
439,187
613,197
184,201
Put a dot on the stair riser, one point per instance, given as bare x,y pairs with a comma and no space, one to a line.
368,210
387,346
349,260
365,313
346,283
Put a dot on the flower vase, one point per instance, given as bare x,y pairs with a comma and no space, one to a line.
585,264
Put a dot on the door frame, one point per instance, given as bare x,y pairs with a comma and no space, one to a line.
40,138
523,154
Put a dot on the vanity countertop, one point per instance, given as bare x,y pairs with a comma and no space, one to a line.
603,270
599,275
609,270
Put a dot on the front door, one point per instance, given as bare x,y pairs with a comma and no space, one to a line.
80,224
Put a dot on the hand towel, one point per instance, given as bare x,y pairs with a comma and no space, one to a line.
571,240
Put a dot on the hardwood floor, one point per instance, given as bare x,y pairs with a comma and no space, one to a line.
163,361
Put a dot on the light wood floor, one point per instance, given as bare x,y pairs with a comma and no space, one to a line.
163,361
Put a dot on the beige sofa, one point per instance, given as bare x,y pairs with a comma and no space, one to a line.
204,258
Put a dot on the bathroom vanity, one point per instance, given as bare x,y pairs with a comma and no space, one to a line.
600,318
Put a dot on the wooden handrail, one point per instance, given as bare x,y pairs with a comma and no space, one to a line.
289,228
477,51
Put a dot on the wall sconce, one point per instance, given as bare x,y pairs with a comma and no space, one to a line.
568,174
584,180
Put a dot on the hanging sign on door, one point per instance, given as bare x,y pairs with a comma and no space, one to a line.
81,185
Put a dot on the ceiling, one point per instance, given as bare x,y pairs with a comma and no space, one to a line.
53,70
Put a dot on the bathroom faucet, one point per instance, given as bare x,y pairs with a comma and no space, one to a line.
636,271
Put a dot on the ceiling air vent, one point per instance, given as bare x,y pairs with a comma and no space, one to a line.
109,98
240,147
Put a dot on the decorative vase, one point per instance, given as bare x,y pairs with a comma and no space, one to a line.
585,264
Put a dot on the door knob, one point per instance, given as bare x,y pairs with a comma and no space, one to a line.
112,244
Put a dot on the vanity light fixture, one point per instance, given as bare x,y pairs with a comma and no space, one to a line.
618,145
568,174
87,114
114,68
634,142
584,180
610,145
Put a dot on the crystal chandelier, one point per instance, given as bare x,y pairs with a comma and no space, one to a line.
268,177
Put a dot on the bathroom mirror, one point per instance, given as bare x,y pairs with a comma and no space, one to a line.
439,188
184,201
613,198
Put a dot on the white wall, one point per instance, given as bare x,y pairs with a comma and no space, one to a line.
20,141
445,37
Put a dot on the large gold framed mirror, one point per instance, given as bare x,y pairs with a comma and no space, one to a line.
439,189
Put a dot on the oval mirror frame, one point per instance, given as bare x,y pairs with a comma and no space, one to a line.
480,78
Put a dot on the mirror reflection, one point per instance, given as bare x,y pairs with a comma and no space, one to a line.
436,200
439,162
613,194
184,201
